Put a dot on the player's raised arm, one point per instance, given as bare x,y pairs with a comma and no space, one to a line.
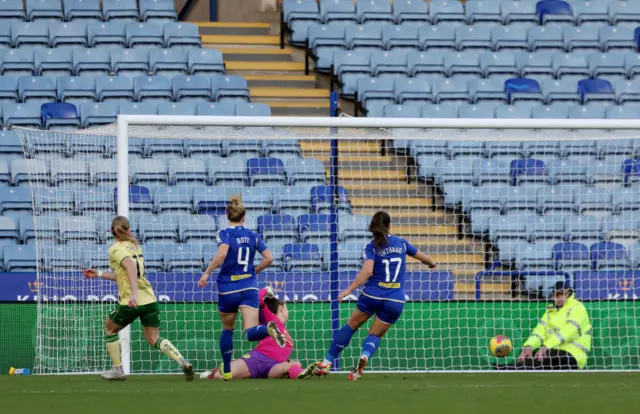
216,262
424,259
93,273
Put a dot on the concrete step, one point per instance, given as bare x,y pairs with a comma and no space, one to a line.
304,93
373,174
255,54
357,158
235,40
462,287
249,66
234,29
322,148
301,108
390,203
451,246
279,81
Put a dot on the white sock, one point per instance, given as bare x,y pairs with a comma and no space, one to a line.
326,362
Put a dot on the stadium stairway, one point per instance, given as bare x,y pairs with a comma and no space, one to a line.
376,182
273,76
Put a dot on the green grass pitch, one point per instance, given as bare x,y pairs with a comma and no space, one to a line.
582,393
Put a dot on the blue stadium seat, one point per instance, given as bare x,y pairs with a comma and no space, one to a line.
278,227
158,11
443,10
12,10
152,89
205,62
114,88
374,93
18,62
340,10
143,35
253,109
26,115
452,89
257,200
19,258
400,37
608,255
477,36
323,40
631,170
302,257
308,171
374,11
527,171
191,88
40,89
521,89
139,199
480,11
68,34
167,62
173,199
294,200
349,255
482,90
106,34
185,35
416,90
321,197
570,66
197,228
617,38
9,89
120,10
498,65
579,38
186,171
535,65
82,10
314,228
299,15
609,65
426,64
364,37
266,170
545,37
230,88
518,12
127,62
599,90
95,114
44,10
94,62
442,36
30,34
59,116
53,62
408,11
570,257
177,108
509,38
623,12
211,200
228,169
348,66
462,65
354,227
555,11
389,63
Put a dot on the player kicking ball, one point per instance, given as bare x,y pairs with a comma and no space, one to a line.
268,359
137,300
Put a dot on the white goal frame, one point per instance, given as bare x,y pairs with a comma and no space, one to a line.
467,125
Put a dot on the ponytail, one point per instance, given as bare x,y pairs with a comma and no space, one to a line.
121,230
379,228
273,304
235,210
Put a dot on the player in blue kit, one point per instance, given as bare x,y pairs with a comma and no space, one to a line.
237,285
382,275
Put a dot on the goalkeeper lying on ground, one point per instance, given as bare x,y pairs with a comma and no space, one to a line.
267,360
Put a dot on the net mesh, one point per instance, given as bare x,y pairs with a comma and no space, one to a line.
505,214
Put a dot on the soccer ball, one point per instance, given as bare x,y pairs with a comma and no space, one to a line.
500,346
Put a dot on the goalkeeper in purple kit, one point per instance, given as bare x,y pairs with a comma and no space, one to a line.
382,275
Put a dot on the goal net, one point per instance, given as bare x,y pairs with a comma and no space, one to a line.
507,208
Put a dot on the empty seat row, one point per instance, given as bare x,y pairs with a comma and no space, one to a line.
104,62
561,110
90,115
98,35
198,88
89,10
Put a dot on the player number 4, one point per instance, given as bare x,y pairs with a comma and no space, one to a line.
387,268
244,261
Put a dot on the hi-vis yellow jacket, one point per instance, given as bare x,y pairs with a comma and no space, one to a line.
567,329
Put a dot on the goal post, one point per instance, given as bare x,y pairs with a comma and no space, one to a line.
497,202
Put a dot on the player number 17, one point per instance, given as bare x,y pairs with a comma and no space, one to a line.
387,268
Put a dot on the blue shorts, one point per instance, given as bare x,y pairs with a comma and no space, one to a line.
259,364
388,311
230,302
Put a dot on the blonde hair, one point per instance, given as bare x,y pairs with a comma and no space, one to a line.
121,230
235,209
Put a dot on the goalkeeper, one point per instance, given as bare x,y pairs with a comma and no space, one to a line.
137,300
562,338
268,359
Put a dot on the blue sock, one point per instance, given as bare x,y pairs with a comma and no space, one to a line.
340,341
226,348
370,346
257,333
